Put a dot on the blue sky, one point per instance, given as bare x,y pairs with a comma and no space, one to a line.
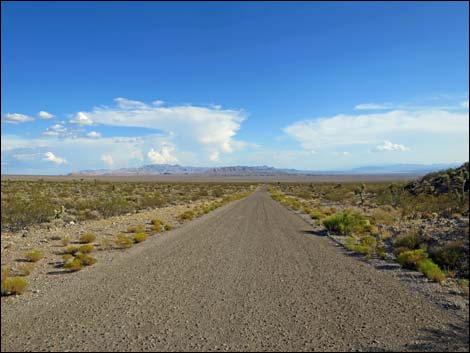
305,85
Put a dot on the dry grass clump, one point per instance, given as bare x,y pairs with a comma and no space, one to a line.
140,237
187,215
85,259
87,238
86,249
65,240
366,245
73,264
34,256
13,285
122,241
139,228
72,249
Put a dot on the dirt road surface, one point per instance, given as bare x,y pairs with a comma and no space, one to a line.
248,276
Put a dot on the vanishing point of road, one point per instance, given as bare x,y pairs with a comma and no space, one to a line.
249,276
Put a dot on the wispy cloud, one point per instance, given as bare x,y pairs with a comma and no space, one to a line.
15,118
108,159
343,130
371,106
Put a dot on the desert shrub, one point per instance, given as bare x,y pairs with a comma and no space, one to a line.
156,228
122,241
410,240
187,215
86,249
34,256
73,265
347,222
140,237
87,238
316,215
13,285
156,222
85,259
383,216
139,228
5,273
25,269
168,227
411,259
452,255
67,257
463,284
72,249
364,245
431,270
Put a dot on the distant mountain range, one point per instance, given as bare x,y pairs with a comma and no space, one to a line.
175,169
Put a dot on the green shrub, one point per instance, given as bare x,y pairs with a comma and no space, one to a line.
86,249
316,215
347,222
13,285
87,238
364,245
140,237
411,258
451,256
463,284
156,222
34,256
123,242
431,270
168,227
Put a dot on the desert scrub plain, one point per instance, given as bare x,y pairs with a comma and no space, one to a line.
422,225
53,228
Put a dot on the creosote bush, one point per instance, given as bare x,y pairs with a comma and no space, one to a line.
347,222
431,270
34,256
139,228
187,215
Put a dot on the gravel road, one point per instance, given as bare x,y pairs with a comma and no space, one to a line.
248,276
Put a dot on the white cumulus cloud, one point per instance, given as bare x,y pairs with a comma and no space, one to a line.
163,156
51,157
108,159
464,104
94,135
208,128
389,146
81,118
45,115
14,118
